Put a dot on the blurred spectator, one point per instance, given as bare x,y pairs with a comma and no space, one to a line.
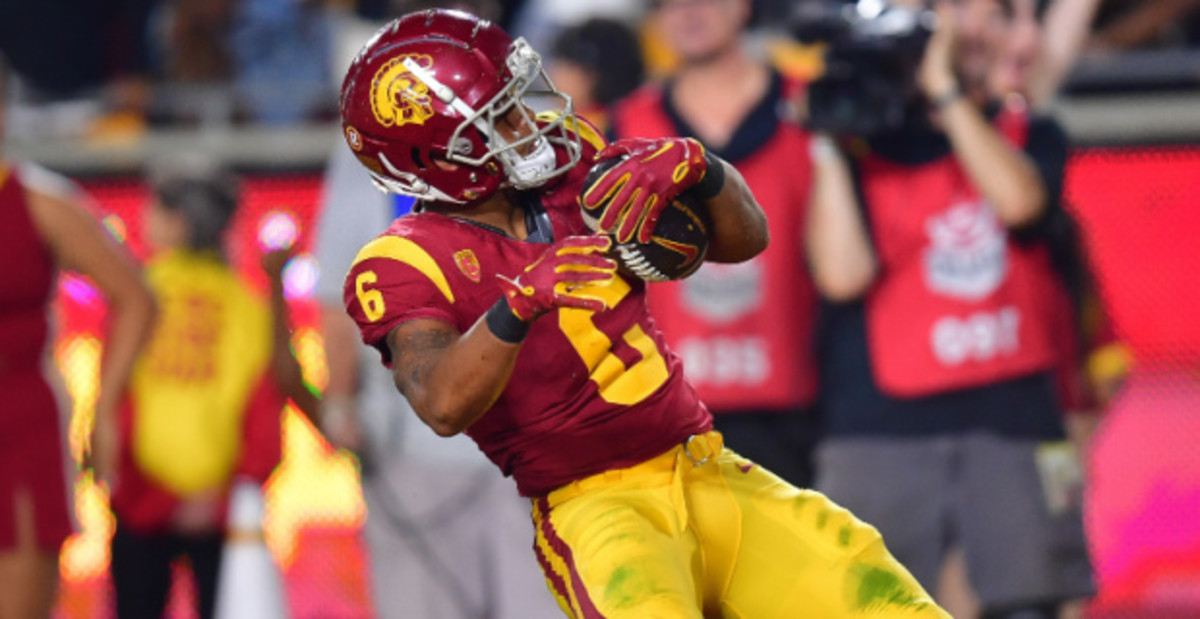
265,61
281,52
487,9
1131,24
193,61
1037,59
1021,56
1020,75
541,21
46,229
744,330
1084,332
89,58
203,409
1044,40
196,32
499,11
596,63
929,242
1044,37
191,37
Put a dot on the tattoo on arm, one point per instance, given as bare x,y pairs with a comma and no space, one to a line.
416,348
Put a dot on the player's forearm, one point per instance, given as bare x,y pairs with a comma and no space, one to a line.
450,380
1002,173
285,366
739,225
134,309
289,376
341,341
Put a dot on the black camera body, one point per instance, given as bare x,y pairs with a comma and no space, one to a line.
872,54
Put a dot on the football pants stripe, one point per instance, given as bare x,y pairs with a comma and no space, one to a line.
583,603
558,586
553,565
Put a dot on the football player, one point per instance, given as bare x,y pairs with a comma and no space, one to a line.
502,317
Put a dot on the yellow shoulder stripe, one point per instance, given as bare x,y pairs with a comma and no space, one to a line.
408,252
581,127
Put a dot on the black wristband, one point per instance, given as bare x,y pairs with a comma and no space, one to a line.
713,180
504,324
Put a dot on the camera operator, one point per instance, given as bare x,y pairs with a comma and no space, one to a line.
926,242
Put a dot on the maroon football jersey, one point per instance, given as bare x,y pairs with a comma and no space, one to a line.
591,391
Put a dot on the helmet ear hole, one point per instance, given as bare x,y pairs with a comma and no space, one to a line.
416,157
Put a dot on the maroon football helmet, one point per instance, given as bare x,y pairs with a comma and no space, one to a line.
430,87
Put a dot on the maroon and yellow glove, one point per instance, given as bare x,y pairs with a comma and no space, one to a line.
561,277
637,189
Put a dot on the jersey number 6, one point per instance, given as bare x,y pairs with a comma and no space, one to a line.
371,300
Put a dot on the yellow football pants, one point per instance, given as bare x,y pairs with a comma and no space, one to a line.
702,532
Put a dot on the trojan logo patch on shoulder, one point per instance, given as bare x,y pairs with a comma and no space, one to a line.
468,264
397,97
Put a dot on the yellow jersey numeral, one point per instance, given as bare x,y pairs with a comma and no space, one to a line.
371,300
618,384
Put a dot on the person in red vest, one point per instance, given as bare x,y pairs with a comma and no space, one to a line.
203,406
929,244
744,330
46,230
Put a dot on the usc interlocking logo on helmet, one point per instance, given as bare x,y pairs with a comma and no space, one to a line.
397,96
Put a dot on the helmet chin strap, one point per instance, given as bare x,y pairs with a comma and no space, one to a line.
523,171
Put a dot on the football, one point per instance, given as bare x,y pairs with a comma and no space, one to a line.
680,239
